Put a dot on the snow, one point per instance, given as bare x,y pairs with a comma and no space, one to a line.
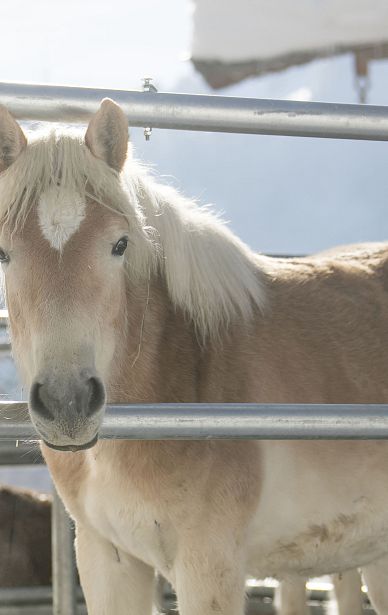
257,29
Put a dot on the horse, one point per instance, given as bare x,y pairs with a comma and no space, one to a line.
25,538
120,289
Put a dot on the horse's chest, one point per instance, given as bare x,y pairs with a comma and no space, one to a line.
131,524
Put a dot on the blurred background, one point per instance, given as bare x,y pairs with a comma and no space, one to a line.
280,194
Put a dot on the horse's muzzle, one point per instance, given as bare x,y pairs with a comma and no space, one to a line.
67,411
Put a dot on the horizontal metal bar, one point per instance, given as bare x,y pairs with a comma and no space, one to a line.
20,453
259,602
236,421
32,601
45,609
197,112
18,596
29,595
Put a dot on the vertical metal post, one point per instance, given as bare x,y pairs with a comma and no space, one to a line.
63,560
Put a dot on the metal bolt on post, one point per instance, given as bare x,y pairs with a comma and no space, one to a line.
148,87
147,133
63,561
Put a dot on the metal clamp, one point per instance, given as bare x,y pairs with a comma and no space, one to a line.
148,86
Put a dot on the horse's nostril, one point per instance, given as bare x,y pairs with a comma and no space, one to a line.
37,404
80,398
96,396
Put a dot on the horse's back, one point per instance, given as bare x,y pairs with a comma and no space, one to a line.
323,337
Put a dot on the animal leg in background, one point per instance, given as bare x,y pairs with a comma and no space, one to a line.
348,592
291,597
113,583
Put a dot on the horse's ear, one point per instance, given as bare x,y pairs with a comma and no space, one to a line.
12,139
107,134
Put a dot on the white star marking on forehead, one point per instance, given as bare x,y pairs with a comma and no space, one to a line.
60,212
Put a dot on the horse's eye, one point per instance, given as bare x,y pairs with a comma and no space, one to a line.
4,257
120,247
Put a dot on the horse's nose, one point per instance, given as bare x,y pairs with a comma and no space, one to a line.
81,399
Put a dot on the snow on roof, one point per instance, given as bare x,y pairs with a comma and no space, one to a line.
239,38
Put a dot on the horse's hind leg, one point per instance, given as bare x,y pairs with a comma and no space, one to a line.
376,578
291,597
113,583
348,592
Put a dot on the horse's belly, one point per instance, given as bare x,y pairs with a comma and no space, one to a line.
321,512
317,550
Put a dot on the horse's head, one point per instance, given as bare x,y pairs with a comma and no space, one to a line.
64,234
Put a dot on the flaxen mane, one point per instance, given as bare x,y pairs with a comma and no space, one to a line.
209,272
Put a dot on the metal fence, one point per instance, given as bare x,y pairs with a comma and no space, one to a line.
238,421
151,109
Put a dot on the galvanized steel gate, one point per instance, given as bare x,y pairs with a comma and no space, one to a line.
150,109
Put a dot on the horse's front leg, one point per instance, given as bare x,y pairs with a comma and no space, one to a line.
210,580
113,583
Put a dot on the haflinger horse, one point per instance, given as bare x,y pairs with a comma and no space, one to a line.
121,290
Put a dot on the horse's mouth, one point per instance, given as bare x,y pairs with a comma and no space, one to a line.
73,448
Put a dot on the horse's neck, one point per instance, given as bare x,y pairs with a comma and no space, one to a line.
157,354
159,358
